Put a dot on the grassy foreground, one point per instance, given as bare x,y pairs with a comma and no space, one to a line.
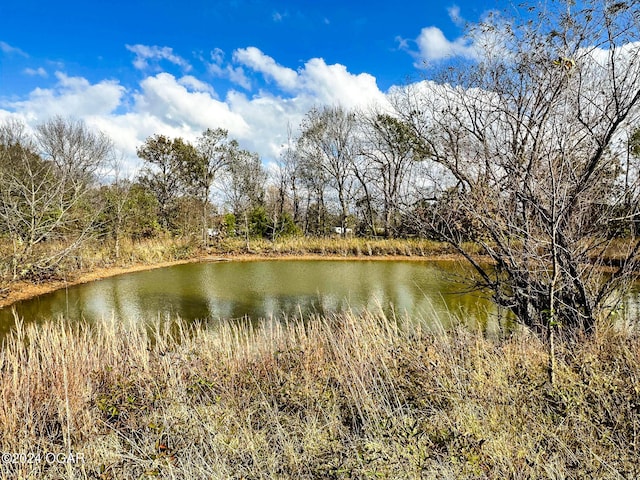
344,397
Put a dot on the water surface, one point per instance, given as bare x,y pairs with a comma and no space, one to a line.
264,289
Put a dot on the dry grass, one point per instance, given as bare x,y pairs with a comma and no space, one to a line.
101,254
347,247
339,397
148,251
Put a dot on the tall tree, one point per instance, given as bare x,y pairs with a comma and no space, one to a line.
164,174
115,198
46,183
529,136
246,188
77,152
286,200
328,143
391,150
314,182
247,179
214,153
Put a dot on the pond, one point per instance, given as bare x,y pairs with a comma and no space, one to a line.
267,288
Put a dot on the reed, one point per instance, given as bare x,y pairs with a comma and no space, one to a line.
347,396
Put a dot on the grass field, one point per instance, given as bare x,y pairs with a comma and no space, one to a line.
340,397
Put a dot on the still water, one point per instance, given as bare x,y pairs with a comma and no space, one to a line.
263,289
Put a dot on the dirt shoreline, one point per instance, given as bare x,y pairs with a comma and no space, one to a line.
24,290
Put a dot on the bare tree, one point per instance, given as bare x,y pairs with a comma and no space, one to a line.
245,189
76,151
214,155
285,199
390,151
530,137
314,181
116,199
328,144
45,191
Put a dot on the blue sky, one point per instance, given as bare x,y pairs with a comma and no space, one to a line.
136,68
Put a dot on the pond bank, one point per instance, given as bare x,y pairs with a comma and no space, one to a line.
166,252
23,290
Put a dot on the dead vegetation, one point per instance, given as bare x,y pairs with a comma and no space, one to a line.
340,397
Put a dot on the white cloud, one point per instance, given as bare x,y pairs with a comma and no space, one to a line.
218,69
403,43
217,56
70,96
454,15
335,85
165,98
316,82
36,72
237,76
145,53
192,83
186,105
434,46
253,58
10,50
279,16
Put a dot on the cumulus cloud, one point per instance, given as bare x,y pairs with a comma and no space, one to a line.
163,103
73,96
217,68
253,58
316,81
335,85
433,46
166,98
145,53
195,85
268,117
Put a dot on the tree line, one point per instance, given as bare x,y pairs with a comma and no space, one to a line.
528,153
342,171
63,184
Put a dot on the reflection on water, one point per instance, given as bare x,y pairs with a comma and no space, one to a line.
263,289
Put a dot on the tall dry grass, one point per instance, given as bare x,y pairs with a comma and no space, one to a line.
339,397
352,246
146,251
95,254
